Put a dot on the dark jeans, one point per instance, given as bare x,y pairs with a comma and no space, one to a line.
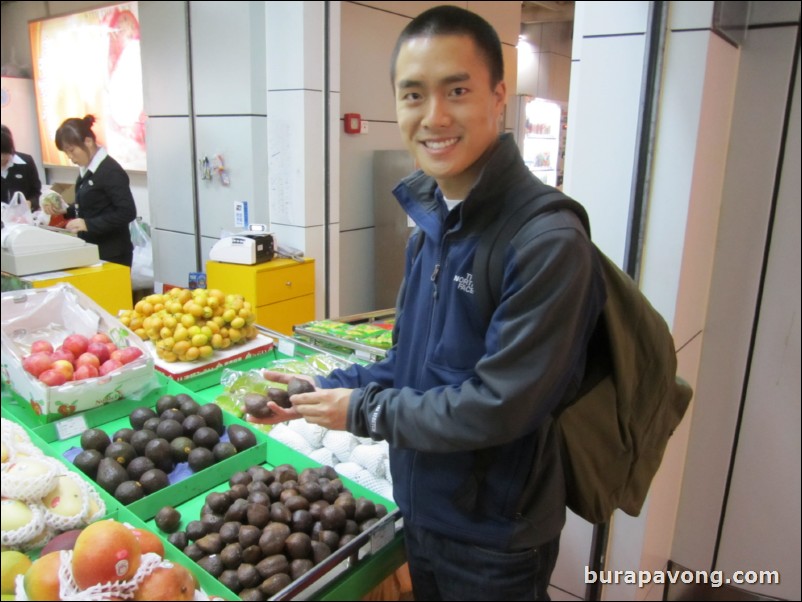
444,569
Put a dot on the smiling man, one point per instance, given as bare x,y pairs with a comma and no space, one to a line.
463,399
449,105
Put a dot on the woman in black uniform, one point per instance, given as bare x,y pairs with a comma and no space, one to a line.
104,205
19,172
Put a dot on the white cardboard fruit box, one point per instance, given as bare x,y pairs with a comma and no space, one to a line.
53,313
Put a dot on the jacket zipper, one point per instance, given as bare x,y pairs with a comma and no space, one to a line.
433,278
435,294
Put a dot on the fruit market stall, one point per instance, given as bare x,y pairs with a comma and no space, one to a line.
169,461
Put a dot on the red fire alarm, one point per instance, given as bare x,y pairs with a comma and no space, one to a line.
353,123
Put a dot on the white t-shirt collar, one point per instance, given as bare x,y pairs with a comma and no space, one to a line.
451,203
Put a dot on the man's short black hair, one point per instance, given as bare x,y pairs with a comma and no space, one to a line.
452,20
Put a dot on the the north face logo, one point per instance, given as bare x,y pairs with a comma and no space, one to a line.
465,283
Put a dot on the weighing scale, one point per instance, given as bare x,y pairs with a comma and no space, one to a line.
253,246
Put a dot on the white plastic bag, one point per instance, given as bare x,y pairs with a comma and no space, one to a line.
142,266
17,210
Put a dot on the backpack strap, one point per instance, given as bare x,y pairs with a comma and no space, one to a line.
488,274
488,262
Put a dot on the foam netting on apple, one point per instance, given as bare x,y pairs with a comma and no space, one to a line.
32,486
117,590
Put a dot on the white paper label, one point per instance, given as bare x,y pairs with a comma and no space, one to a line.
70,427
287,347
364,355
382,536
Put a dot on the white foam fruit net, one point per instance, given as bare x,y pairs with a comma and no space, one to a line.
361,459
69,590
27,532
82,489
29,478
287,436
33,479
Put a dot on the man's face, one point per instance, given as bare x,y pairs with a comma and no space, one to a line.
447,110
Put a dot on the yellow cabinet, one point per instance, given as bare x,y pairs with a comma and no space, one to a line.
107,284
282,291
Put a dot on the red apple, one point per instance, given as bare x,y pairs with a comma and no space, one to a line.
63,354
77,343
53,378
88,359
100,337
129,354
86,371
41,345
65,367
36,363
110,366
111,347
117,354
100,350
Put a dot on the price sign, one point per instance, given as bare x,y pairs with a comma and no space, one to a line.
70,427
287,347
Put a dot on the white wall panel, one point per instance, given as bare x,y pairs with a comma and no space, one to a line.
164,58
615,18
602,135
170,174
228,57
690,15
688,176
285,22
765,65
767,472
298,28
295,151
242,142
